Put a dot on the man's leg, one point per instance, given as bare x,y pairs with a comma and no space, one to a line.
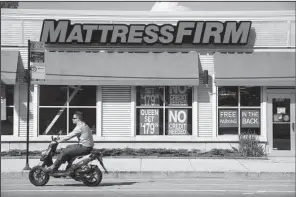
62,157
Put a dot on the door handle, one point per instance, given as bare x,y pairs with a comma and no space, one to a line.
293,126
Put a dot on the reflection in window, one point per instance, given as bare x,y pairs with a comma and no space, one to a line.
7,96
250,96
53,95
47,125
7,125
228,96
86,96
55,98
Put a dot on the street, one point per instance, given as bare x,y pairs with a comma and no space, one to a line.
203,187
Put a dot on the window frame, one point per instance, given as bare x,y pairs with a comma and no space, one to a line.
238,107
10,106
163,107
67,108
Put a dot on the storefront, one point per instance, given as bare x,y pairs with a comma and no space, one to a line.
199,89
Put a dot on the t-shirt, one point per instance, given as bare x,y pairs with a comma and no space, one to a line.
83,133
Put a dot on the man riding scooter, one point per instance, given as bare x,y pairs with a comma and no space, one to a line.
84,146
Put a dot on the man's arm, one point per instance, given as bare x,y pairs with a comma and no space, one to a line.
74,133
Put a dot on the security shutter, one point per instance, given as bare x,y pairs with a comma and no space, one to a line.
116,111
22,105
205,98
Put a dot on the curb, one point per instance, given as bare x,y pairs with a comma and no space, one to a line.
187,175
150,157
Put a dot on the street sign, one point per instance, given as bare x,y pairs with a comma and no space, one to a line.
37,61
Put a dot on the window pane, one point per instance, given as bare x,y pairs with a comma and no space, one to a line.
46,115
178,122
9,95
86,96
53,95
228,96
178,96
149,96
250,96
149,121
7,125
228,121
89,115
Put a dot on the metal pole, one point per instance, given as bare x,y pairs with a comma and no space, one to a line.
28,74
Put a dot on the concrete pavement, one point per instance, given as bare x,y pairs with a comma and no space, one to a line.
186,187
273,167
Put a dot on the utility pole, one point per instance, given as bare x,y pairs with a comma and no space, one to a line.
28,77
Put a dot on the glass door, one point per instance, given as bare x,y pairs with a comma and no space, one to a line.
281,124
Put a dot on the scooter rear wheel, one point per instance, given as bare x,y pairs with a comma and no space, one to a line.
38,176
93,178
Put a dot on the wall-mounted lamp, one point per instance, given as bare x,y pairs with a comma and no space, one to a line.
205,77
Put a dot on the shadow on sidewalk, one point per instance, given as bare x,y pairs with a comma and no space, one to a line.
100,185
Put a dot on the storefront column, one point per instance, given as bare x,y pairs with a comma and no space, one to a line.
99,112
133,111
35,104
195,112
264,114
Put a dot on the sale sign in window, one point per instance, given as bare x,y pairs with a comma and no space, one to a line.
178,96
149,96
177,121
149,121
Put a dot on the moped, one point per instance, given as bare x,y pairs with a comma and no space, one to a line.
78,168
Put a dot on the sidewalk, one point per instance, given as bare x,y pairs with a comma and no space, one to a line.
278,166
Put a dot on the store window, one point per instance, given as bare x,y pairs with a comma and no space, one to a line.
58,104
239,110
164,110
7,102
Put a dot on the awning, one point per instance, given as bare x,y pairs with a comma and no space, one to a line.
9,60
257,69
103,68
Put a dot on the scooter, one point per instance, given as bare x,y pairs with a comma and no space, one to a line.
78,168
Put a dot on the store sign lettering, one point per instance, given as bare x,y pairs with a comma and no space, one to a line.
250,118
149,121
185,32
178,122
228,118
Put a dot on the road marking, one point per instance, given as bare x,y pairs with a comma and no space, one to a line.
142,190
248,193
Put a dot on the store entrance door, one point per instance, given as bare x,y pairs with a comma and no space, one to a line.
281,126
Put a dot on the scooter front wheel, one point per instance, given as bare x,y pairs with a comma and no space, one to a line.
38,176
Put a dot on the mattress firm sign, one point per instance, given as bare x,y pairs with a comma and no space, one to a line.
149,121
185,32
178,121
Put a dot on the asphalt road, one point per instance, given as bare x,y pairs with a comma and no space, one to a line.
203,187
